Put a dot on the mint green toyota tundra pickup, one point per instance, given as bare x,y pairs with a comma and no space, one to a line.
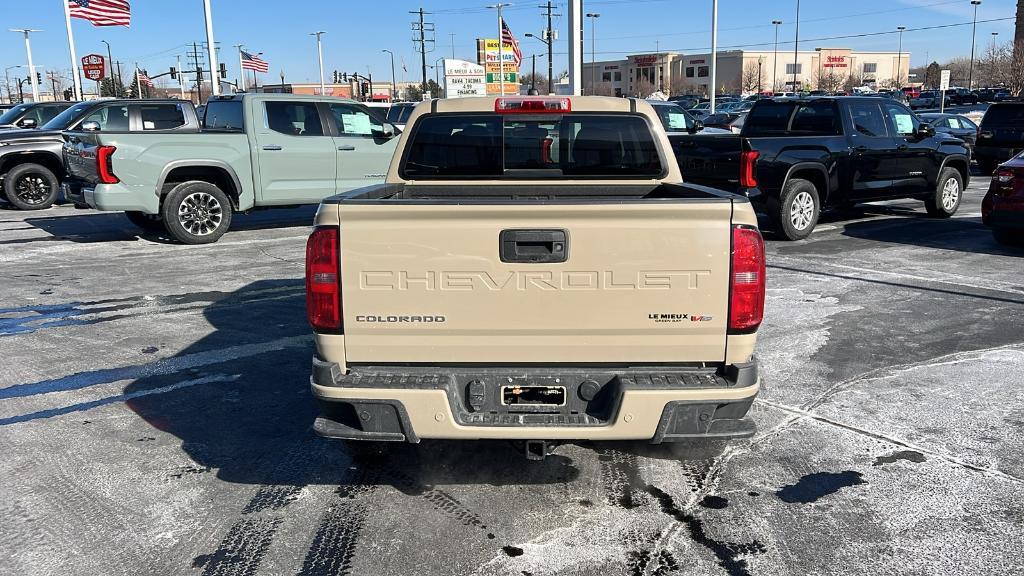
255,150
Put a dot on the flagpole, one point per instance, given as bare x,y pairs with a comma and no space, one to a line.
79,95
138,80
241,70
211,49
181,78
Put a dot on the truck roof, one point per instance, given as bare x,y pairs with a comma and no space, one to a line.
279,96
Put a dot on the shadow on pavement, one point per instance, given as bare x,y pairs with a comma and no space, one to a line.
960,234
250,418
90,226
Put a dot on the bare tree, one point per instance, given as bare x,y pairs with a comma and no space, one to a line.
538,81
828,80
644,88
682,85
959,70
750,78
854,80
600,89
1016,76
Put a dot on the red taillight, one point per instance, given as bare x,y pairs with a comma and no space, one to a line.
105,165
1004,176
748,160
323,281
747,284
532,105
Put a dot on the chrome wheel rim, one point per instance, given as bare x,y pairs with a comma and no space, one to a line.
32,189
950,194
801,211
200,214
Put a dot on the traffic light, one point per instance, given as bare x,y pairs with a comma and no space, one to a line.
223,70
174,73
344,76
39,77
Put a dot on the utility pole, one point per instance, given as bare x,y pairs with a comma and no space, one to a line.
451,35
199,71
212,49
110,65
422,28
549,38
320,58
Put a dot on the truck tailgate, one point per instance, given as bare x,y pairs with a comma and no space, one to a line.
642,282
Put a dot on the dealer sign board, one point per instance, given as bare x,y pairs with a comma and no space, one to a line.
94,68
463,79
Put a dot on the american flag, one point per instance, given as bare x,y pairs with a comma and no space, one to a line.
508,38
253,62
102,12
144,79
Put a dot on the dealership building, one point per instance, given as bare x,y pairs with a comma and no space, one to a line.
743,71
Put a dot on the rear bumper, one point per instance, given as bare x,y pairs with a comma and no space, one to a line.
994,153
652,404
1007,216
112,197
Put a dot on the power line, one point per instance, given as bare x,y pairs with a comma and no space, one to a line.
819,39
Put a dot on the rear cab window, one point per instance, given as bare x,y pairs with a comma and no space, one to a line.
483,145
1004,116
224,115
815,118
162,116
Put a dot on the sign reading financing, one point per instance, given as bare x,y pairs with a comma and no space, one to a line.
463,79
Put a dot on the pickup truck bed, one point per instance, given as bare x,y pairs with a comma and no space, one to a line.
534,273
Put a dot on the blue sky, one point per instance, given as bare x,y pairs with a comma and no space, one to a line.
357,31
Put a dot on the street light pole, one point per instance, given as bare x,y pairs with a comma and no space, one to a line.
241,86
775,57
796,44
110,65
593,49
31,67
899,59
974,30
714,53
394,87
320,58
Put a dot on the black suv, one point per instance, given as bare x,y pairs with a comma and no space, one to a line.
31,114
1000,136
795,157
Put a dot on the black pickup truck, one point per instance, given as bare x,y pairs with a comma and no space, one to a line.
795,157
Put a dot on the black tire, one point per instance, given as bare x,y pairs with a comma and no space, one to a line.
795,213
949,191
1008,237
196,212
148,222
31,187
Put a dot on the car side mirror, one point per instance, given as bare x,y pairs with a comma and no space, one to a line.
697,127
925,131
90,126
27,123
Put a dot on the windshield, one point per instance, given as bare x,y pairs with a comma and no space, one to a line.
13,114
1004,116
674,118
63,120
399,114
493,145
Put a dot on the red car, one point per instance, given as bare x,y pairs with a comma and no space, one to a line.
1003,206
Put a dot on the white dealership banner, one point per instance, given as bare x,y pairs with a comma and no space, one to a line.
463,79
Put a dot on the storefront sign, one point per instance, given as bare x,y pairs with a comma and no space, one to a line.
835,62
463,79
93,67
645,60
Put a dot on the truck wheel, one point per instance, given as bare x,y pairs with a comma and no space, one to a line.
796,213
196,212
148,222
946,199
31,187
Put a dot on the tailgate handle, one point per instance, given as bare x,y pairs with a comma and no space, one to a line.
534,246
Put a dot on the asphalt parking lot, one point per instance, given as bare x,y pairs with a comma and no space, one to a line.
155,419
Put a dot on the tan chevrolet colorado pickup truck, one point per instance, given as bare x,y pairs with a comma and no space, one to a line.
534,268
